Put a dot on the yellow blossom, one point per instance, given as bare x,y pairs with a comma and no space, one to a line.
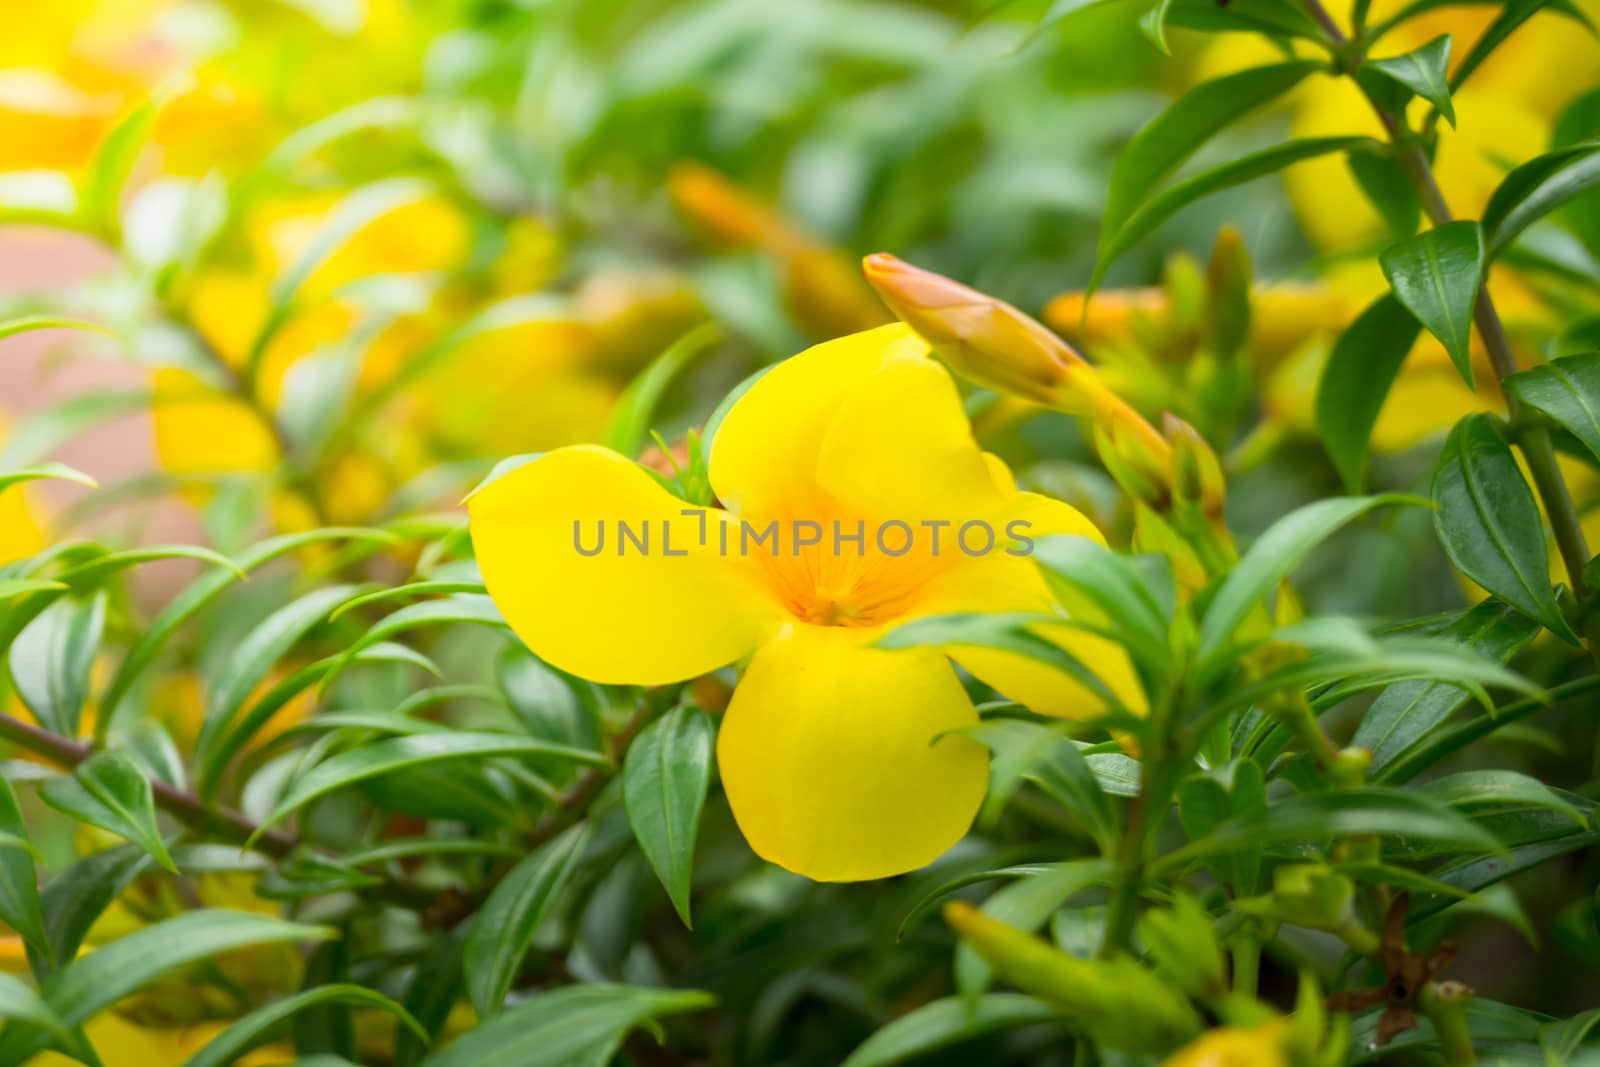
1235,1046
841,761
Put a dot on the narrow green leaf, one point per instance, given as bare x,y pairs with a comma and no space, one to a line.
29,323
1512,15
440,588
51,660
78,895
1424,72
1437,275
18,1002
1319,816
15,587
1161,207
1473,790
630,423
941,1023
1356,379
1567,390
1153,24
19,880
1535,189
1267,562
204,590
935,896
581,1024
505,926
1405,713
1080,570
1489,524
462,608
1561,1040
111,972
1389,189
399,753
256,654
59,471
108,174
251,1030
1274,18
431,995
109,790
1026,905
664,782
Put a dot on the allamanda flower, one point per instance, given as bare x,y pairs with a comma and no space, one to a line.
841,761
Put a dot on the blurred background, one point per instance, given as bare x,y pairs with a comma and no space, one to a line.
353,252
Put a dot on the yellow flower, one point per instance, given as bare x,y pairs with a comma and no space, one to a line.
1234,1046
839,759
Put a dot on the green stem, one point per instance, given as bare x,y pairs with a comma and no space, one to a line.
1247,963
1445,1004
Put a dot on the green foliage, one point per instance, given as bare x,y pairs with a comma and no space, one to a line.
1436,276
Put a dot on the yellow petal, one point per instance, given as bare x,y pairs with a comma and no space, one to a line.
765,455
998,582
620,616
833,762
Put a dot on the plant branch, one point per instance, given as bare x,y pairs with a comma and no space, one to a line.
1533,438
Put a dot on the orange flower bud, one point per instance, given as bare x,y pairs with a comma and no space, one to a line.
726,213
986,340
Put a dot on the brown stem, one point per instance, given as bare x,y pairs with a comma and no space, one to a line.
222,822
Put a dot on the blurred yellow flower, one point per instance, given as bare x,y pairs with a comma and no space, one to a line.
838,758
1233,1046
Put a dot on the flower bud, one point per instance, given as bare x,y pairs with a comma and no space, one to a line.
985,340
1117,1001
1227,307
1196,472
727,214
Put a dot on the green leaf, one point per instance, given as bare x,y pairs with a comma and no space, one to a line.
15,587
51,660
256,654
251,1030
78,895
1512,15
1320,816
103,566
630,423
1267,562
440,588
1489,524
1471,874
29,323
1424,72
664,782
462,608
1164,205
1356,379
1472,790
1389,188
212,764
58,471
111,972
1026,905
417,750
204,590
1561,1040
1405,713
581,1024
935,896
1537,188
19,880
109,790
1206,801
431,995
505,925
1274,18
22,1004
1567,390
1153,24
941,1023
108,174
1080,569
1437,275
